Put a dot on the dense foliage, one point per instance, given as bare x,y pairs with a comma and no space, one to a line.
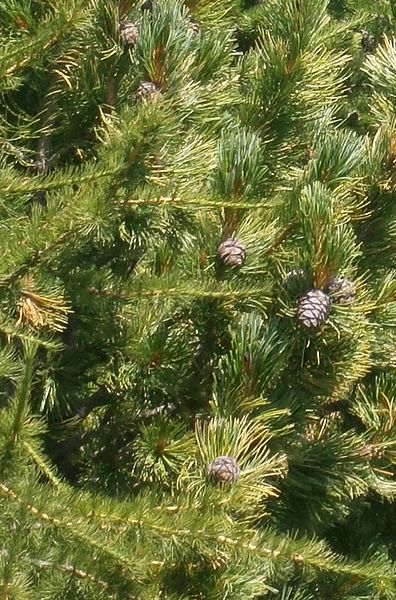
197,299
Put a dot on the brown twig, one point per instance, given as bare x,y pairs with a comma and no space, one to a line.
70,570
281,238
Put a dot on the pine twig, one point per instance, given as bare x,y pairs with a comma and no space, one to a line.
43,468
172,202
281,238
72,527
70,570
46,125
177,292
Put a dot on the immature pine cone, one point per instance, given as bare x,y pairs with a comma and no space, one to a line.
313,308
367,41
232,253
293,277
146,91
129,33
193,27
223,469
341,291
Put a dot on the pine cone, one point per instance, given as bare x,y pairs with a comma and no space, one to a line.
232,253
313,308
146,91
341,291
367,41
129,33
293,277
296,282
193,27
223,469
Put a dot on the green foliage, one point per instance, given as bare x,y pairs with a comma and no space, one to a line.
131,356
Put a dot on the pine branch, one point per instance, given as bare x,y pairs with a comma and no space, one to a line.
47,121
223,294
12,184
72,571
317,557
196,204
23,394
120,560
42,465
16,56
45,341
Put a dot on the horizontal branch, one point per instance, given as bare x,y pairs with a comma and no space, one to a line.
319,559
34,259
11,333
70,570
176,292
72,526
329,562
194,204
44,183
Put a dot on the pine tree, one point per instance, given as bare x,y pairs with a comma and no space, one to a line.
198,302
